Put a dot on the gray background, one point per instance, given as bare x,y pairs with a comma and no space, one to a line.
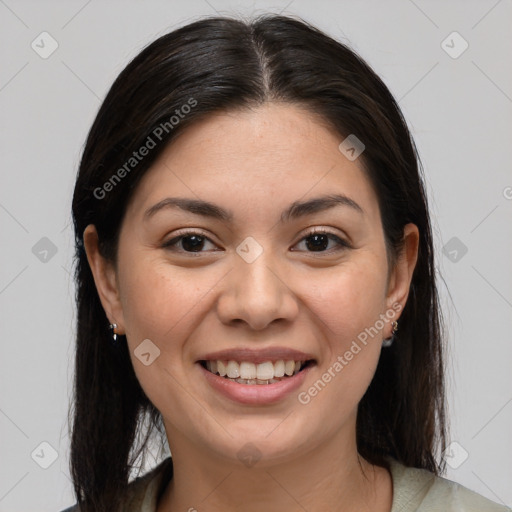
459,110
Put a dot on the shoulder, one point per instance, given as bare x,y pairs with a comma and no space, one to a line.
143,492
420,490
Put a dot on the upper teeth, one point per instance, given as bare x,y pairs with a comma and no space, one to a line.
247,370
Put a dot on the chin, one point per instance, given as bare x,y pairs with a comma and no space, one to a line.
264,445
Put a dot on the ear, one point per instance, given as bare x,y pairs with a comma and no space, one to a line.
401,275
104,278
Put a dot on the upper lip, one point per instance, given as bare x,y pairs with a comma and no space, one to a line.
257,356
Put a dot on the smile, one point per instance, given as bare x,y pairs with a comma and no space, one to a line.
249,373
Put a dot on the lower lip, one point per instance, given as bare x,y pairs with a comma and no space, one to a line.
255,394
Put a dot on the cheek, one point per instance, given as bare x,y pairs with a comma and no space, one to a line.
156,301
349,305
163,305
349,299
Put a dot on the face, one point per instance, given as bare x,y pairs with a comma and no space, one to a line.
265,283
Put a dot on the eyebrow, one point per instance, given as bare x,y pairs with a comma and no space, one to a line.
296,210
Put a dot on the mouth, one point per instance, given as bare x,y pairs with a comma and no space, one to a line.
250,374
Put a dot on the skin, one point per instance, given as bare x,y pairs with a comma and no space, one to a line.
256,163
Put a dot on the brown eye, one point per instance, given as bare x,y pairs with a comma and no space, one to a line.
318,241
188,242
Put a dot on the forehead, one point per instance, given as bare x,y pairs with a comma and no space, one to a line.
256,160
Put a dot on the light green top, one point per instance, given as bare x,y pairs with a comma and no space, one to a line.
420,490
414,490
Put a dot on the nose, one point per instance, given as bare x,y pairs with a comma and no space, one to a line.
257,294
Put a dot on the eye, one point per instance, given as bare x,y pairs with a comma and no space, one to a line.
190,241
318,240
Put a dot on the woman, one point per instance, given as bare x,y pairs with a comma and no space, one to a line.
255,281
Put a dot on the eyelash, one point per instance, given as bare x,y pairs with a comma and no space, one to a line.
342,244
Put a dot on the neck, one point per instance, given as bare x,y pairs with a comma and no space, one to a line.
332,476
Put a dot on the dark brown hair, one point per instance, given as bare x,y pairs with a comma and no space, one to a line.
227,64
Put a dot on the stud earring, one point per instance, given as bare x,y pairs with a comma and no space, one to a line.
389,341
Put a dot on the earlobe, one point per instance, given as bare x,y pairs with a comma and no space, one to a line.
401,277
104,278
